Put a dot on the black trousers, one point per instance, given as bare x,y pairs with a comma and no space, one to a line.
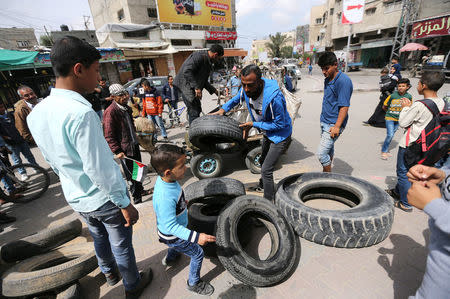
193,105
271,152
136,188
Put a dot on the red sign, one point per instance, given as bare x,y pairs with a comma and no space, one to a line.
220,35
432,27
217,5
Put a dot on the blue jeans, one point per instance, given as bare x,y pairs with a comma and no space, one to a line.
391,128
6,181
23,148
325,152
403,184
113,243
194,251
158,121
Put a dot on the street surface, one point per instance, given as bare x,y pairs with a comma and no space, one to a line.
391,269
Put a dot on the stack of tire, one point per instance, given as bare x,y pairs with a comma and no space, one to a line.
214,135
35,267
219,206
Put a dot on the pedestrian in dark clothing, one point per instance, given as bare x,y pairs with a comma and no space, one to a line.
120,134
103,94
193,77
14,141
170,93
95,102
388,82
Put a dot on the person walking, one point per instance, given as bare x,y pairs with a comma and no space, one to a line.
153,107
193,77
336,102
69,134
120,134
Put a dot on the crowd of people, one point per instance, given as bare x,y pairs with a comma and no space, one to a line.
82,141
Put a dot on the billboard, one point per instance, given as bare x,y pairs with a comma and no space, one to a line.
197,12
353,11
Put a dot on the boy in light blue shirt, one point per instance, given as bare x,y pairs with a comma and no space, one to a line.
170,207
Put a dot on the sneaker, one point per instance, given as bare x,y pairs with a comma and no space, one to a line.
4,218
146,278
201,288
167,263
366,123
24,177
257,189
113,278
137,200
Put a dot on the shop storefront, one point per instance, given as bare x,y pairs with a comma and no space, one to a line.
434,33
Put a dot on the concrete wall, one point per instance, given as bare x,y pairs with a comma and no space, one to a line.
87,35
314,29
105,11
431,8
17,38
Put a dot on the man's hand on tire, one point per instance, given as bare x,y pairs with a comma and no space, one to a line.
130,214
204,238
246,128
219,112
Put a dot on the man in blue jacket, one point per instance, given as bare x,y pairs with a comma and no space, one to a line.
267,108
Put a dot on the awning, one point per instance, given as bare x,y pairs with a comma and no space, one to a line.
111,27
12,60
377,44
140,44
235,53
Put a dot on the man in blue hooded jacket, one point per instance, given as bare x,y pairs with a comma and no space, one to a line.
267,108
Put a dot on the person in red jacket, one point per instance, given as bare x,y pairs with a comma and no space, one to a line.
153,107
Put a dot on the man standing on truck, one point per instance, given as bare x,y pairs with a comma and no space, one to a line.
193,77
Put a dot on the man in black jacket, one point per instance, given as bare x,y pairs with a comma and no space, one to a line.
193,77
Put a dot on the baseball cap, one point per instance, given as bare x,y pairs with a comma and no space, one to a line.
116,89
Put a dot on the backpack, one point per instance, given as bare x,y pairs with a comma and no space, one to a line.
433,142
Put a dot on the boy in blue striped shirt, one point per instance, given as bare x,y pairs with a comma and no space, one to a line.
170,207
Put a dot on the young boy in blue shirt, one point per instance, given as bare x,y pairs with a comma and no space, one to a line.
170,207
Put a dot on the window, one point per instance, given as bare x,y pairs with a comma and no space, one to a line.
138,33
319,21
181,42
120,15
23,43
371,11
152,13
339,15
331,11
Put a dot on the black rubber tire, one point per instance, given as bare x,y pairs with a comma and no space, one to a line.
66,265
40,242
220,188
206,165
285,252
367,223
71,292
36,185
252,160
207,132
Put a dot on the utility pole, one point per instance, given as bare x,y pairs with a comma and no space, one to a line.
347,59
48,35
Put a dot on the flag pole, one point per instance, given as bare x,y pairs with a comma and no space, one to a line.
133,160
348,49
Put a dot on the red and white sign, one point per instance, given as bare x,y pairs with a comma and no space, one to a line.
431,27
353,11
220,35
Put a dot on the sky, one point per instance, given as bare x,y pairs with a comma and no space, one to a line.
256,19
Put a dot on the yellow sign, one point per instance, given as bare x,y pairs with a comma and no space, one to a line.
198,12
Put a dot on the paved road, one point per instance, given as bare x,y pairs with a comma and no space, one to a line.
391,269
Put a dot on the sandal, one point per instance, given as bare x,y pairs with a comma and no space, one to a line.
147,192
385,156
398,204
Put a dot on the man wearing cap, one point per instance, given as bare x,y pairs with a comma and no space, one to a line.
120,134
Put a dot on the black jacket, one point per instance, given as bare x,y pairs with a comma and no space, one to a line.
9,131
194,72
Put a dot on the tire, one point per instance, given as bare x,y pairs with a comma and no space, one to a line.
168,123
205,191
208,131
206,165
285,250
40,242
71,292
366,223
252,160
35,186
66,265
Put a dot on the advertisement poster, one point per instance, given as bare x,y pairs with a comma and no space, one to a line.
196,12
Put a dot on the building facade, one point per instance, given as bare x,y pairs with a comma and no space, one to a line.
17,38
86,35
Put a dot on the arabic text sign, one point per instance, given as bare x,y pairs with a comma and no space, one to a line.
220,35
197,12
430,28
353,11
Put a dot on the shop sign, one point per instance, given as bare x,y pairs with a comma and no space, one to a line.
111,55
220,35
431,28
353,11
